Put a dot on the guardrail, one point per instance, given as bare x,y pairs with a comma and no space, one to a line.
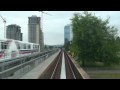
15,68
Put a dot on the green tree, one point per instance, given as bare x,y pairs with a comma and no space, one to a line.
118,43
67,45
93,39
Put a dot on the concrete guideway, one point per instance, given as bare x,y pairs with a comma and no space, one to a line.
36,72
63,67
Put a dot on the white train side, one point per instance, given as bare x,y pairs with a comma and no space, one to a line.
12,48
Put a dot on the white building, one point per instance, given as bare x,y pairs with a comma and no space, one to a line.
35,34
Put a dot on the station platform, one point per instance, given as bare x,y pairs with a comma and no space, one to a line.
37,71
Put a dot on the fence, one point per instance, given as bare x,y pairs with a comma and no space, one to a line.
15,68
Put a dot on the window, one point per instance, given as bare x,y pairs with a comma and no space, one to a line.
21,46
18,46
29,46
4,45
33,46
37,46
24,46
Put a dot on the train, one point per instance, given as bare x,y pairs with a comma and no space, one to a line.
10,48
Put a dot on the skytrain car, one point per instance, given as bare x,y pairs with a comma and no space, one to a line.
13,48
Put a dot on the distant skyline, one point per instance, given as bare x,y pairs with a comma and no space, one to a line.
53,26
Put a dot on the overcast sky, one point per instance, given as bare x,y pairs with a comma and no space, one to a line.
53,26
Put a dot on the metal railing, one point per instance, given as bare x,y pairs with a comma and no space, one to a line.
16,68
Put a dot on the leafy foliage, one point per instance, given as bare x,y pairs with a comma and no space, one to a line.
67,45
93,39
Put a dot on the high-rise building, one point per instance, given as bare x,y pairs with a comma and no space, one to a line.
68,34
35,34
14,32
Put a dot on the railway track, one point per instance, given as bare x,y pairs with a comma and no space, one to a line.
70,74
61,68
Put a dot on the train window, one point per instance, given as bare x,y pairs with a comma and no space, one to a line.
18,46
29,47
24,46
33,46
37,46
0,45
4,45
21,46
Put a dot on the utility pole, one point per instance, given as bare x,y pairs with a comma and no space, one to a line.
4,21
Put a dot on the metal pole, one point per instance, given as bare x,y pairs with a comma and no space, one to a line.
4,30
4,21
42,20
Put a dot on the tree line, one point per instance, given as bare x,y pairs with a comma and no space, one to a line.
94,40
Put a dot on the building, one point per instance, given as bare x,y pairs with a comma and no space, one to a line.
68,34
13,31
35,34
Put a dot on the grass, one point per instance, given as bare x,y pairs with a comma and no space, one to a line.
100,71
105,75
112,72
